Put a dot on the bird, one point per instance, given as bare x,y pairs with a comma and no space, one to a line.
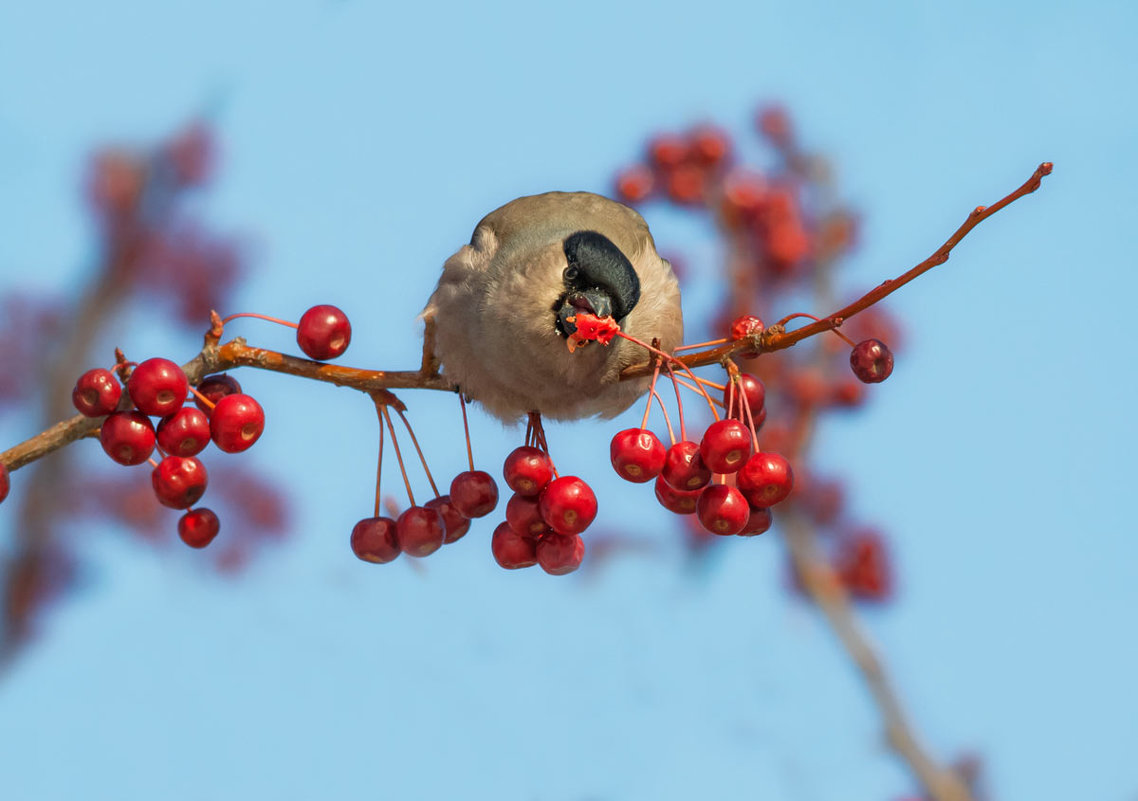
504,308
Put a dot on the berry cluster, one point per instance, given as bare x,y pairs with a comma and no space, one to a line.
157,390
725,479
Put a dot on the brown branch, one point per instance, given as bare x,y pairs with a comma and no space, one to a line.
216,358
775,338
827,592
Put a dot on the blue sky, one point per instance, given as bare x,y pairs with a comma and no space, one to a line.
361,144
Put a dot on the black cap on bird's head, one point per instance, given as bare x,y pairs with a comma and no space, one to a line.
599,279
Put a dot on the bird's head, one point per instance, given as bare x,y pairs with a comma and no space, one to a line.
598,278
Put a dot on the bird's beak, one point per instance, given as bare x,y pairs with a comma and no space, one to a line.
593,301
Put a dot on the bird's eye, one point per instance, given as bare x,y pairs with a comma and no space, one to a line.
571,273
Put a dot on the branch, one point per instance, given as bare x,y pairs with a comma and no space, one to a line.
830,596
216,358
776,338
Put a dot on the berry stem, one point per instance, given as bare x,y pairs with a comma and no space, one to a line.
201,397
671,358
679,404
710,344
379,461
667,419
790,317
276,320
651,394
466,431
418,450
398,454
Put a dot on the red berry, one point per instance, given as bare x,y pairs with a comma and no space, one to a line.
759,521
214,388
634,184
774,123
523,513
237,421
683,468
687,184
667,151
722,510
184,433
5,483
324,332
682,502
637,455
455,522
374,539
198,527
511,549
559,554
568,505
750,391
710,145
474,493
872,361
96,393
746,326
725,446
766,479
527,470
420,530
127,437
847,393
864,566
158,387
179,481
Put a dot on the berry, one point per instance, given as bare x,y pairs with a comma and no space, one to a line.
374,539
237,421
725,446
420,530
454,521
872,361
667,151
862,562
96,393
637,455
474,493
5,483
198,527
527,470
682,502
158,387
766,479
568,505
686,184
523,513
710,145
127,437
179,481
634,184
747,390
722,510
683,468
214,388
184,433
513,550
559,554
746,326
324,332
759,521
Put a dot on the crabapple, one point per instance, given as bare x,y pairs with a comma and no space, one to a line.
198,527
420,530
683,468
722,510
682,502
559,554
96,393
179,481
759,521
323,332
527,470
127,437
185,432
523,513
725,446
237,421
474,493
513,550
871,361
455,522
158,387
214,388
637,455
374,539
766,479
568,505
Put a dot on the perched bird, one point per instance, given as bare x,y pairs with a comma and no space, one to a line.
505,306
